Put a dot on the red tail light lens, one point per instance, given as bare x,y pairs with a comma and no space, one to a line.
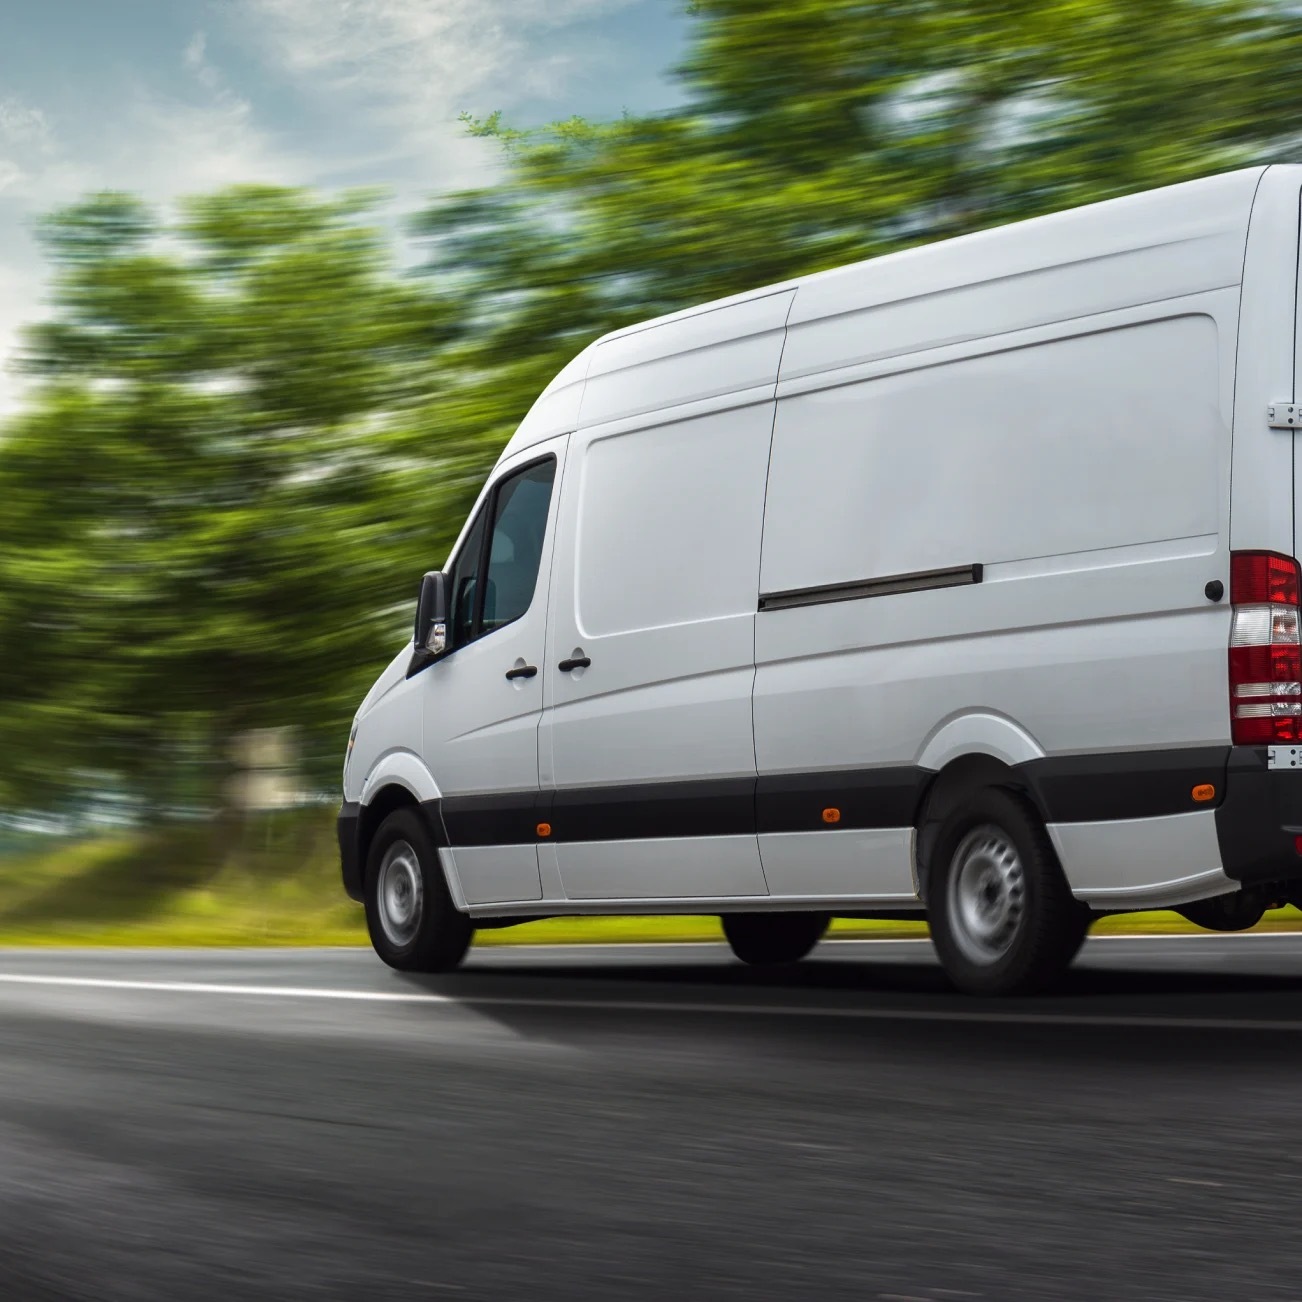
1264,578
1265,649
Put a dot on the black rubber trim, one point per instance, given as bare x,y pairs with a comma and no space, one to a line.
1260,819
1124,784
957,576
511,818
1068,789
647,811
433,811
348,827
865,798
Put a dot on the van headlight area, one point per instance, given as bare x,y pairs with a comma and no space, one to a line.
958,585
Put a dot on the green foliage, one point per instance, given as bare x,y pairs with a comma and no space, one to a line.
213,516
817,132
251,433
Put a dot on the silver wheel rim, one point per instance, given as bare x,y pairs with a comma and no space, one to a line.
987,894
401,893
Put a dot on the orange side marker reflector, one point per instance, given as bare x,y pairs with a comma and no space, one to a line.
544,829
831,815
1204,792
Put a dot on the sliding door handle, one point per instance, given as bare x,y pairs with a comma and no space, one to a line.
522,671
574,662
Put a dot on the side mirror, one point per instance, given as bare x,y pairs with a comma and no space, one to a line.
431,633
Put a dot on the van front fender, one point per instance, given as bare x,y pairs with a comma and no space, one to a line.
401,768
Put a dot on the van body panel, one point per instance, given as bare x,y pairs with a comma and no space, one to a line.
401,768
556,410
843,684
836,863
945,494
711,867
1145,248
1181,851
717,351
977,732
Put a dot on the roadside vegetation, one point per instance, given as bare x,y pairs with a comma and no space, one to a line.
279,885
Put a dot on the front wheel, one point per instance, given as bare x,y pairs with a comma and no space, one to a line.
414,925
765,939
1002,917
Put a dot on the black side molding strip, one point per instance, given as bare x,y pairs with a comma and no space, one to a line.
864,798
958,576
1088,788
1126,784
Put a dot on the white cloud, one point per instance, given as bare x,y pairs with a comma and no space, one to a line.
195,57
416,64
20,124
386,78
158,145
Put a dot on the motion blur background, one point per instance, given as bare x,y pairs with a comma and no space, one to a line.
242,422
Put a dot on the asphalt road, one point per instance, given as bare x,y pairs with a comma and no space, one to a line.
650,1123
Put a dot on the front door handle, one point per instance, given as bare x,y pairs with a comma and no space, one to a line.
574,662
522,671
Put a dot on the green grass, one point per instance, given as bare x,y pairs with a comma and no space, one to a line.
278,884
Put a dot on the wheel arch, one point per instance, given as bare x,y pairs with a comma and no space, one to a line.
389,798
960,779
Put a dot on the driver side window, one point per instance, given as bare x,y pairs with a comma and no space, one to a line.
463,583
492,586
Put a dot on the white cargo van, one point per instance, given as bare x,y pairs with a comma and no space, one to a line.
957,583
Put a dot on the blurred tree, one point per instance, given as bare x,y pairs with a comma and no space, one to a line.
213,514
818,132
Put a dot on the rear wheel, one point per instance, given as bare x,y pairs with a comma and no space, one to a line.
414,925
764,939
1002,917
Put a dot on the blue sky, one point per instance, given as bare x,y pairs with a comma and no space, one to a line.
169,97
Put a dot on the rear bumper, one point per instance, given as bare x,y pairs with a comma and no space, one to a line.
1260,819
349,826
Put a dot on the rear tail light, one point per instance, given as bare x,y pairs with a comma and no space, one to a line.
1265,649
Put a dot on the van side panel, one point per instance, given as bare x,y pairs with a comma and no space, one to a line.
1079,472
1055,449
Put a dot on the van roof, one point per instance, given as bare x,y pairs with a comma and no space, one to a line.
1171,215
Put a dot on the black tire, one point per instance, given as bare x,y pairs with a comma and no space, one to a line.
767,939
1002,917
431,935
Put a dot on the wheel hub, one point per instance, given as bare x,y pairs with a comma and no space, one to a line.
987,894
400,893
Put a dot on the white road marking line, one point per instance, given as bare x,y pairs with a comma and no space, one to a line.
951,1015
215,988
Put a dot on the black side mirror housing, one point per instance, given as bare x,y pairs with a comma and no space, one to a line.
431,631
